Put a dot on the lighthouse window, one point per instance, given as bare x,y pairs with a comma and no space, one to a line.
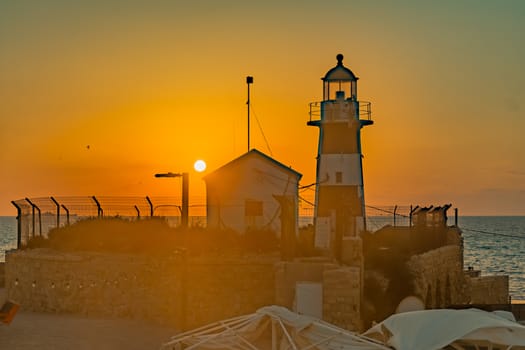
338,177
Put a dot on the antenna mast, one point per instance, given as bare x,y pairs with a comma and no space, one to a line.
249,80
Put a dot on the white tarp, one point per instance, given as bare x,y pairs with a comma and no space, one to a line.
277,328
272,327
435,329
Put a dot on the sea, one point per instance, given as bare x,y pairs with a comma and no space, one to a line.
495,245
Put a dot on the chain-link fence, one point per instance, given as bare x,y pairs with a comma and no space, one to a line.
380,216
38,216
376,216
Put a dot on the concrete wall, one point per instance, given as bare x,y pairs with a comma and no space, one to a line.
165,290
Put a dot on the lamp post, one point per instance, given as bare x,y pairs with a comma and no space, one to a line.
185,190
249,80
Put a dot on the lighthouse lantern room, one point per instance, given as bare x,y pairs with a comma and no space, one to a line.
339,197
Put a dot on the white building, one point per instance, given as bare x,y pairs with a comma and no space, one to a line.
243,194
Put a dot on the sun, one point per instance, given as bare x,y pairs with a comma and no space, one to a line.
199,165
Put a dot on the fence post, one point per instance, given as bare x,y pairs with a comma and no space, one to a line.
150,206
19,224
395,210
100,212
39,217
32,215
67,213
185,199
58,211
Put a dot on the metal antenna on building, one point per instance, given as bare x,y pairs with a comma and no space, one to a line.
249,80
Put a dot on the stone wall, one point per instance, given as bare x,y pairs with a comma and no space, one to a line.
441,281
438,277
168,290
189,293
341,291
342,297
172,291
2,274
288,274
222,289
489,290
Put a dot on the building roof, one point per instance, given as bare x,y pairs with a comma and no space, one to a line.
339,72
259,154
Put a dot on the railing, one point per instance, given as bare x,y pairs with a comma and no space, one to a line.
365,110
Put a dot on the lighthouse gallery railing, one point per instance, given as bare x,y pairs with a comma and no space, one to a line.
365,110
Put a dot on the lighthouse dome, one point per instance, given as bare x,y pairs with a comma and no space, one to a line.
340,72
339,83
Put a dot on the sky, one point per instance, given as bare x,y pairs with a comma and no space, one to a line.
97,96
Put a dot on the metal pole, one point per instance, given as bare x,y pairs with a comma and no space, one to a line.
100,212
150,206
33,215
19,224
39,221
185,191
58,211
185,199
395,210
456,217
249,80
67,213
138,212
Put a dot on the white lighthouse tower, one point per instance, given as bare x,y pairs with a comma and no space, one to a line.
339,197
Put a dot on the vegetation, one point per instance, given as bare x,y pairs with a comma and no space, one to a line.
152,236
388,279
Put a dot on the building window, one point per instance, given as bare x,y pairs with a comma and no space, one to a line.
338,177
253,208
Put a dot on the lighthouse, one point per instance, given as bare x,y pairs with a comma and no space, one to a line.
339,198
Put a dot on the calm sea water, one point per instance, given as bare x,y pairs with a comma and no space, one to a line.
498,250
7,234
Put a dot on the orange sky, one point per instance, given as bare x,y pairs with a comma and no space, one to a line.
153,86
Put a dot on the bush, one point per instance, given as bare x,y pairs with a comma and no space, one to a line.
151,236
